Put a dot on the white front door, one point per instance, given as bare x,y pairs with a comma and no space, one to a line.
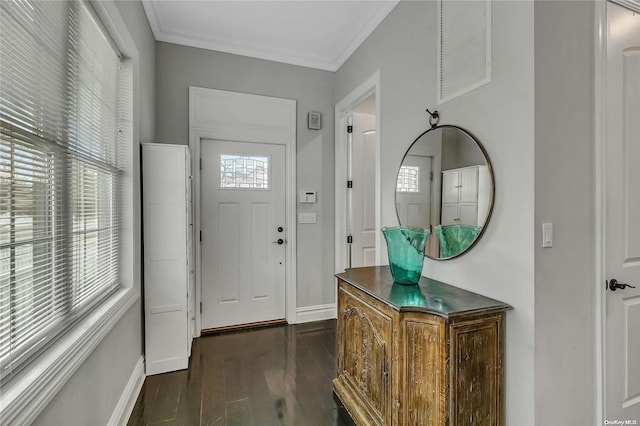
243,232
622,213
363,191
413,192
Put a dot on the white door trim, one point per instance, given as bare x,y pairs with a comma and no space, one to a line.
600,26
203,126
366,88
600,196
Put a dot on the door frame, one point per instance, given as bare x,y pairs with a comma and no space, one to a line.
600,196
231,124
370,86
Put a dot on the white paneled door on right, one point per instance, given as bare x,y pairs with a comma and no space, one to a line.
622,217
243,232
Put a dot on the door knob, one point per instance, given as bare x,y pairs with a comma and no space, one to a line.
614,285
279,241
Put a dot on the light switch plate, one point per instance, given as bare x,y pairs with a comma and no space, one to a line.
306,218
547,235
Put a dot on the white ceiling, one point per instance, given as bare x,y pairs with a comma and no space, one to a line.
319,34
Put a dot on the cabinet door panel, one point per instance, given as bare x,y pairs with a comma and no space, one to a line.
469,185
450,214
476,379
424,378
450,186
364,354
469,214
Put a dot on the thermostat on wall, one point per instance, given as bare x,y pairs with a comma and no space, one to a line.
307,196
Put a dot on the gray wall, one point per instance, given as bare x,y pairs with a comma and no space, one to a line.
459,150
91,394
179,67
501,116
564,182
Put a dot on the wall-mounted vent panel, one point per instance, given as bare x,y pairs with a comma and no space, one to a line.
464,47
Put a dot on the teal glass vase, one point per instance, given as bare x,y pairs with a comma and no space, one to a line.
405,245
455,239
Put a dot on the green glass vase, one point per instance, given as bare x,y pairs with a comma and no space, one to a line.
454,239
405,245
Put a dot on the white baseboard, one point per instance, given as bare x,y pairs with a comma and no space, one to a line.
128,399
315,313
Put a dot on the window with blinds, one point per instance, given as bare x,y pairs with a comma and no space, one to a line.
60,166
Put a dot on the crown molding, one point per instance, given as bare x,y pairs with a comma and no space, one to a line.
261,51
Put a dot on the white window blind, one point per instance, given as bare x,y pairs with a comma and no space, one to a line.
59,172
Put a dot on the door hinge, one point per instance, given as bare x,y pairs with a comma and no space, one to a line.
349,129
201,307
349,184
431,175
200,236
349,239
201,164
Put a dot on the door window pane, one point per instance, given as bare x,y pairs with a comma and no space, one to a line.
241,171
408,178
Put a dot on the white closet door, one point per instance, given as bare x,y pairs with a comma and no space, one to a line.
469,185
450,184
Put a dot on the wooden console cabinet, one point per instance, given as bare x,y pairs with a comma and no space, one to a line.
429,354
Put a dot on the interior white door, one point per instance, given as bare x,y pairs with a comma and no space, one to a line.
243,232
363,192
622,213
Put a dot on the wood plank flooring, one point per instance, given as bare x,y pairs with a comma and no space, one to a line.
279,375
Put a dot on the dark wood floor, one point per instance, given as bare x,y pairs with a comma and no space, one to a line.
279,375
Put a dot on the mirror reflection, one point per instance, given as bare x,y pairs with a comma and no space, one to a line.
445,183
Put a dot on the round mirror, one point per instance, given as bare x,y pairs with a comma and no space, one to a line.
446,183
